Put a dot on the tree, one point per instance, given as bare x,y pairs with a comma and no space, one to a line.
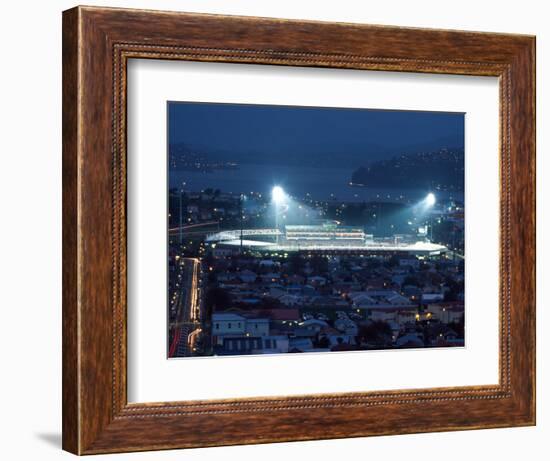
454,289
319,264
297,263
376,333
393,261
270,303
373,263
411,280
458,327
216,299
323,342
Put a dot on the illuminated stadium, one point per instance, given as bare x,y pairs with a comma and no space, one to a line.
323,238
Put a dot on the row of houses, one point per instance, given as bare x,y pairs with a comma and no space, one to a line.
283,330
444,312
272,331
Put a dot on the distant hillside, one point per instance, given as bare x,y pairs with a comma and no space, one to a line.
181,155
314,154
442,169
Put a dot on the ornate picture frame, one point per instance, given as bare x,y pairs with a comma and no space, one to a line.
97,44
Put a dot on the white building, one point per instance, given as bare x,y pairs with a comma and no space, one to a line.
228,324
274,344
447,312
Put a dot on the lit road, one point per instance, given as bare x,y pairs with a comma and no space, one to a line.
193,297
192,339
175,230
189,310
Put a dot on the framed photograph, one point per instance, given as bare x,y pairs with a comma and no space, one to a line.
281,230
279,243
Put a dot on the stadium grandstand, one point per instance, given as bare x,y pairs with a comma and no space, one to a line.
323,238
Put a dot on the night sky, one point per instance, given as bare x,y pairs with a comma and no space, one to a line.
290,132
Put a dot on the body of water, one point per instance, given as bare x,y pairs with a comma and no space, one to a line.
321,183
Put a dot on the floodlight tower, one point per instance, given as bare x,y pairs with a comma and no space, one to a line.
430,202
278,196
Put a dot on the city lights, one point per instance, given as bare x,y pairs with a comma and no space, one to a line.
351,252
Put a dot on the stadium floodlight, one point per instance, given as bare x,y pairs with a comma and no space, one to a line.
430,202
278,194
279,197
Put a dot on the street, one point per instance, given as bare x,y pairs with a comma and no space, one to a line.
188,315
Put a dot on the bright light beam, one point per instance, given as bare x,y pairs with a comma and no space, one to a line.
430,199
278,194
